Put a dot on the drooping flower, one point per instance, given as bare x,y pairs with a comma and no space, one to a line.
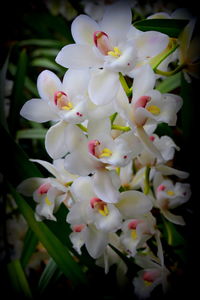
94,239
135,232
148,107
49,192
154,271
170,196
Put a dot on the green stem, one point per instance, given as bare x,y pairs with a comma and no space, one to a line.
122,128
170,73
146,180
113,117
158,59
124,84
82,127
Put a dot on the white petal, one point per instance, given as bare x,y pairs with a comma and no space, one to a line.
75,215
116,21
82,189
105,186
144,138
96,241
48,83
28,186
133,204
77,240
75,82
80,162
38,110
75,138
83,28
98,129
103,86
165,170
144,81
151,43
111,222
100,111
47,166
78,56
173,218
55,140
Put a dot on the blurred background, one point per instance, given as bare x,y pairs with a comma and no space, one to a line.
33,32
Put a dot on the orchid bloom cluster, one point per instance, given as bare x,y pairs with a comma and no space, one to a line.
109,167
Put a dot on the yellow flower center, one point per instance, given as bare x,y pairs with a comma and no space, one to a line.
147,283
155,110
103,210
134,234
115,53
47,201
170,193
106,152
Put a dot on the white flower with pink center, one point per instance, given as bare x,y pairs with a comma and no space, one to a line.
49,192
135,232
111,46
170,196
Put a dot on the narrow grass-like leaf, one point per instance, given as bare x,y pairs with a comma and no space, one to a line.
170,83
50,273
30,243
45,52
18,279
15,164
171,27
54,247
18,90
29,84
3,73
42,43
187,112
46,63
34,133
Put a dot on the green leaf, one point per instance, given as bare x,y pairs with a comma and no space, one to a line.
18,97
187,110
50,274
42,43
30,243
54,247
170,83
3,73
18,279
29,84
15,164
46,63
34,133
174,238
45,52
171,27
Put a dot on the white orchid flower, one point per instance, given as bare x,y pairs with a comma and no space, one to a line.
170,196
166,147
89,209
94,153
135,232
49,192
110,257
109,47
62,102
148,107
154,272
94,239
